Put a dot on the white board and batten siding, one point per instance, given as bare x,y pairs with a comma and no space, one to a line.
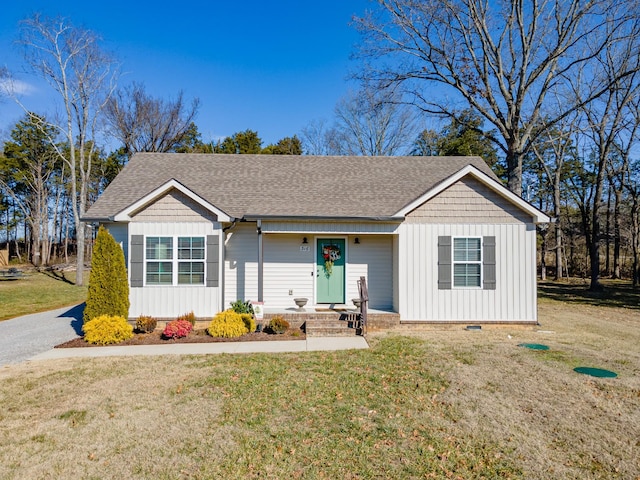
289,268
174,215
241,263
467,209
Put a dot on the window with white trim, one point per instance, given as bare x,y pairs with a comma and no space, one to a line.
467,262
174,260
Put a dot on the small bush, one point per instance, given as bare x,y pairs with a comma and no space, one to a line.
249,322
146,324
106,330
177,329
278,325
242,307
189,317
227,324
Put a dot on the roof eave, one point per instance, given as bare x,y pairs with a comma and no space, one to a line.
293,218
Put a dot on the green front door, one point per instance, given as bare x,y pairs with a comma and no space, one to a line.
330,270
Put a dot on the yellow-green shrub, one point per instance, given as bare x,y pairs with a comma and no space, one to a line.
227,324
108,292
107,329
249,322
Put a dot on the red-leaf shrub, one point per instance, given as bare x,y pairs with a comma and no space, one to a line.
177,329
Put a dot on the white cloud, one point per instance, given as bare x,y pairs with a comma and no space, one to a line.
10,86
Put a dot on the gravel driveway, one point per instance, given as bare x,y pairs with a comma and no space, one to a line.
23,337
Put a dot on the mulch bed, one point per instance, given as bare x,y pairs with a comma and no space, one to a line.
196,336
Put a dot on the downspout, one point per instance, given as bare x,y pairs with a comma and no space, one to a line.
260,261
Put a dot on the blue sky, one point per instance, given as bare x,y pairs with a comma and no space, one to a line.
267,66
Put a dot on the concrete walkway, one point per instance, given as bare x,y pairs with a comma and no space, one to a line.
309,345
32,337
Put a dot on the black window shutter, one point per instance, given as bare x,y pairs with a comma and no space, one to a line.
444,263
137,260
489,263
213,260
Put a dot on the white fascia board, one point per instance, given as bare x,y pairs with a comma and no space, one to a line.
538,215
125,215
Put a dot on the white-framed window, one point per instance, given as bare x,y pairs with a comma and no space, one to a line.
174,260
467,262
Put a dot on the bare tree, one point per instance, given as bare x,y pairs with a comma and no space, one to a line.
552,151
370,122
146,124
318,138
83,76
609,128
501,58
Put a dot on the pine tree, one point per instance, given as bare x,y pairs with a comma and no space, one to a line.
108,286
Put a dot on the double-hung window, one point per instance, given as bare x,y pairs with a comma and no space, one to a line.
467,262
175,260
190,260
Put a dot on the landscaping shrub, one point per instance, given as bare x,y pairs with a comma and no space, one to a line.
240,306
108,292
249,322
227,324
278,325
146,324
107,329
189,317
177,329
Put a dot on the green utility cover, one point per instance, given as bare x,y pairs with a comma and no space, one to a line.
596,372
534,346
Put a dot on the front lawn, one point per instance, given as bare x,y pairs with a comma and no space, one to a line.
36,292
446,403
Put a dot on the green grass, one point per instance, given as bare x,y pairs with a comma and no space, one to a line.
342,415
37,292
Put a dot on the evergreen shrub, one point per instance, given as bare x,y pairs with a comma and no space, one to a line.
106,330
249,322
189,317
227,324
108,292
278,324
146,324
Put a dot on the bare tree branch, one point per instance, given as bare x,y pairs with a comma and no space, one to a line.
146,124
503,58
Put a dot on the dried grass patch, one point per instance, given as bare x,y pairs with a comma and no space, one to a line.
445,404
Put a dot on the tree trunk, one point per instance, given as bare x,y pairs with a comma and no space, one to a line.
514,172
616,234
607,263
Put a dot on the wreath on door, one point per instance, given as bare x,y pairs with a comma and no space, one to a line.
330,253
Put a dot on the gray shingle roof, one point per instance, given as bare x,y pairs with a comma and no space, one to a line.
285,185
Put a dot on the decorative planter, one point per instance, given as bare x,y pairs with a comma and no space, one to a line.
301,302
356,302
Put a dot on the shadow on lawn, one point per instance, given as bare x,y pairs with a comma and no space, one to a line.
615,293
75,313
57,275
